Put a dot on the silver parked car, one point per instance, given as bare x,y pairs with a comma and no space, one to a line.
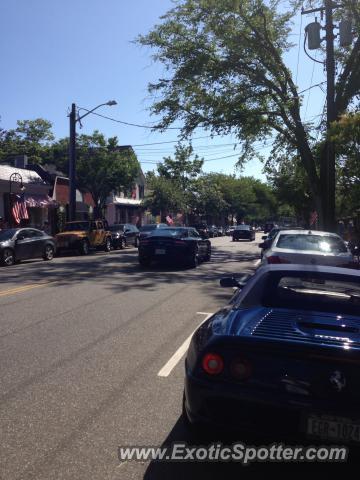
309,247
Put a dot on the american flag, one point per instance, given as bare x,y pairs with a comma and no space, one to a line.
169,220
19,211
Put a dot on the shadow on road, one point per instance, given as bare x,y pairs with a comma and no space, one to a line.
230,470
119,271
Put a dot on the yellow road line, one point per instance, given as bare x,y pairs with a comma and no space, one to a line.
25,288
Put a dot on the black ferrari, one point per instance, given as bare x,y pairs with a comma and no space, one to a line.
25,243
282,358
180,245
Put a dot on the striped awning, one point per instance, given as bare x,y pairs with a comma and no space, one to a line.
39,201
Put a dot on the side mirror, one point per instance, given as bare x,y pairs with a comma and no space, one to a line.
229,282
264,237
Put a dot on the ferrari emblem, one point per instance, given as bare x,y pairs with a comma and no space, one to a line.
338,380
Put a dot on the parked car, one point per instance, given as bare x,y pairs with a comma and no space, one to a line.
278,360
25,243
229,230
221,231
243,232
213,231
147,230
309,247
124,234
84,235
269,226
179,245
202,229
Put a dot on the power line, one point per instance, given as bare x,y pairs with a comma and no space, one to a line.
130,124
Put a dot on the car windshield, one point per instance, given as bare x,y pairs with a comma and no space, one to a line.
313,291
7,234
315,243
242,227
116,228
74,226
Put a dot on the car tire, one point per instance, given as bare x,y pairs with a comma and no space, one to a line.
194,260
207,257
49,253
144,262
107,247
8,257
84,247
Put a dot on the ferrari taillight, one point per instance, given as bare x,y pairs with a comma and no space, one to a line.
213,364
241,368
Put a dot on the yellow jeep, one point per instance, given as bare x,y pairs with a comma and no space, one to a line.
83,235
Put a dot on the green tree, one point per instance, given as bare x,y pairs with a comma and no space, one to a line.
101,167
171,187
31,137
225,71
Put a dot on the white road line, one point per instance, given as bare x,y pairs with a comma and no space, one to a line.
175,359
257,263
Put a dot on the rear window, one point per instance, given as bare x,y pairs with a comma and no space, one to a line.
315,292
169,232
317,243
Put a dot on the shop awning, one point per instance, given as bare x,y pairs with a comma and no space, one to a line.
39,201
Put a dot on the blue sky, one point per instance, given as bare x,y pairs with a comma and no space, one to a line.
55,52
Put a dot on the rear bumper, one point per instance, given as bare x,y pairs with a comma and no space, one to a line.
227,407
171,255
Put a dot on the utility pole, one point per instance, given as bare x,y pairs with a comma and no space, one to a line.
327,167
330,175
72,154
72,163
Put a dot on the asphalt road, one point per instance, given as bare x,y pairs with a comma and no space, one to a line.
82,340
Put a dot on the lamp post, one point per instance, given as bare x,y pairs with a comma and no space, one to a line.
16,178
72,154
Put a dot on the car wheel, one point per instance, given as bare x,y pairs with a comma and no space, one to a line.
207,257
84,248
49,252
144,262
194,260
8,257
107,247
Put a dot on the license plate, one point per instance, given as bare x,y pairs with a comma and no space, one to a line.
333,428
160,251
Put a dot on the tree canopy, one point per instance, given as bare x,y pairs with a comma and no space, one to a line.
225,71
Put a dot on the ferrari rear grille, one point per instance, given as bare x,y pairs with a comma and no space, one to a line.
287,326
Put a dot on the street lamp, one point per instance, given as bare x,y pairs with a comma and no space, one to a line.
72,153
16,178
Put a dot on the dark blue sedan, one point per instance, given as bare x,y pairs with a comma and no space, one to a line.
282,358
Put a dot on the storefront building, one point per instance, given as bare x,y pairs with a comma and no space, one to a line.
26,188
